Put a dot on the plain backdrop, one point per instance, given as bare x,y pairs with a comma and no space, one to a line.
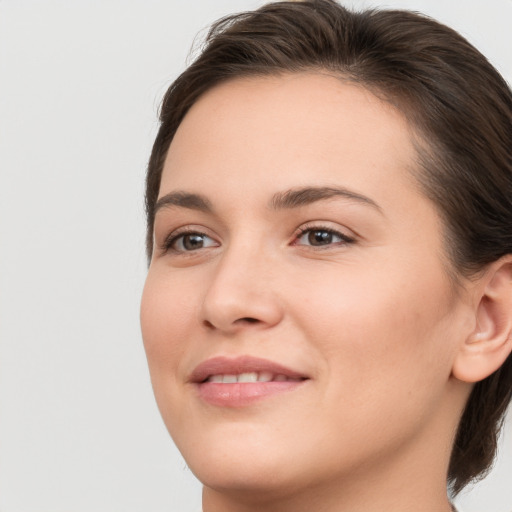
80,83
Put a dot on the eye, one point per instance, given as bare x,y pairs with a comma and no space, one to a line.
321,237
190,241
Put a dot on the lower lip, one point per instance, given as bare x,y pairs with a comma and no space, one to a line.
242,394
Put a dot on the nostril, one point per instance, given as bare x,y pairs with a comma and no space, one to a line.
239,321
208,324
248,320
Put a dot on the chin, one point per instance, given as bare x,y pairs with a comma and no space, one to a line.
240,478
255,482
244,464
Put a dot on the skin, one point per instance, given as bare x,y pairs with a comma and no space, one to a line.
374,323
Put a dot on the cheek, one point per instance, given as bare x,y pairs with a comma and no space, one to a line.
167,313
165,322
382,338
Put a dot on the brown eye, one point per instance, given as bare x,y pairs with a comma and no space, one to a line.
321,237
192,242
187,242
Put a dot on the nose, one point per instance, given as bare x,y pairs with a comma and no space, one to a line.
242,293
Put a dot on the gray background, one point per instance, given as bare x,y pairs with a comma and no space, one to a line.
80,83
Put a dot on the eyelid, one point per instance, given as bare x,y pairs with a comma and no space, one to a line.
324,226
175,234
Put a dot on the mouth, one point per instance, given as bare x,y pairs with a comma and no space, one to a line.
239,382
251,377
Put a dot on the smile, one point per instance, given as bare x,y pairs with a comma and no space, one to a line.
239,382
251,377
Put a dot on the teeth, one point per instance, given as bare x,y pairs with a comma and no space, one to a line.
265,376
249,377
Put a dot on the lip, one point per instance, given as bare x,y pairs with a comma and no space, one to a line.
241,394
241,364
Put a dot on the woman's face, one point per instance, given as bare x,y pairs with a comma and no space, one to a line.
293,246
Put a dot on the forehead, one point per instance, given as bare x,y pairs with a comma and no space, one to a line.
290,130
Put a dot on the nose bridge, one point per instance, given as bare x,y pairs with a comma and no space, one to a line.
242,288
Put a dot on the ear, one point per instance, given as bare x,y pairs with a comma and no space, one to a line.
490,343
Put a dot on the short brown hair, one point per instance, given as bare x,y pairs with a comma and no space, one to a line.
458,104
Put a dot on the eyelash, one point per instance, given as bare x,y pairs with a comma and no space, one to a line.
345,239
174,237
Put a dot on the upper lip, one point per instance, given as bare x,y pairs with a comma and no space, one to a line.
242,364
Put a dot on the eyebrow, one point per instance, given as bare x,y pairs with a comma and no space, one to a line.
294,198
184,200
304,196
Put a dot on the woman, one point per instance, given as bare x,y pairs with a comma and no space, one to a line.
328,310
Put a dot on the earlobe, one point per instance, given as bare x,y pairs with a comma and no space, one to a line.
490,343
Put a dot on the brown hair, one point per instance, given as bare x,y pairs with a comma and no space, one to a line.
458,104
